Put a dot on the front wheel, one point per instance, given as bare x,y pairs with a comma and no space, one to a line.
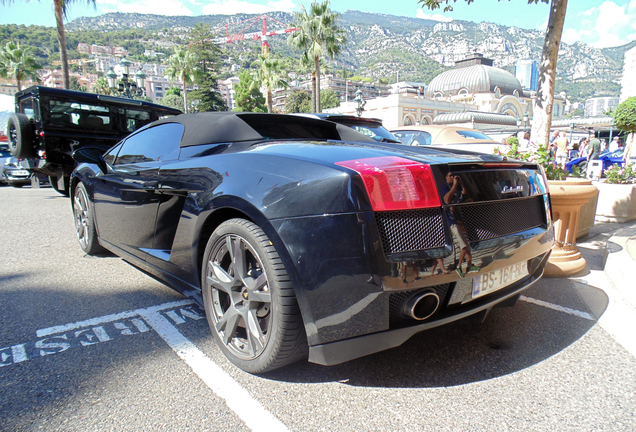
85,222
249,300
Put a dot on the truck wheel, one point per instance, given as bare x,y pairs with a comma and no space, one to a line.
20,136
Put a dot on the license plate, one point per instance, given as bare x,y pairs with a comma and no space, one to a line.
19,173
492,281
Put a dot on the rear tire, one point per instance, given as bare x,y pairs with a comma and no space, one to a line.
249,299
85,222
20,136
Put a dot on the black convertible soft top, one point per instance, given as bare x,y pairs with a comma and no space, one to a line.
224,127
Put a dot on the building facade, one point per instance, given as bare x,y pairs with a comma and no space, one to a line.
599,106
527,72
628,83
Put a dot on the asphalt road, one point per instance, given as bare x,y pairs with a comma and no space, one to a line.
92,344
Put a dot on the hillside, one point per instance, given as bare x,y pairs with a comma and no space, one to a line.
378,45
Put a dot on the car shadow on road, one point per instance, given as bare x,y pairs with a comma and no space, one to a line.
510,340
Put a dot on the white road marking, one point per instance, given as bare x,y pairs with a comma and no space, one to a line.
255,416
553,306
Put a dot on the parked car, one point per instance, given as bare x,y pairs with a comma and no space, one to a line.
367,126
450,137
14,173
50,123
5,155
303,238
608,159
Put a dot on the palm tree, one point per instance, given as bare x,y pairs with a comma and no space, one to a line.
182,67
61,11
318,34
101,86
268,75
18,63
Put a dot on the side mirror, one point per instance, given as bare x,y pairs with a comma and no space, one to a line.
91,155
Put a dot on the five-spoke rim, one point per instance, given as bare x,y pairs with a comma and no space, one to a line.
80,212
241,298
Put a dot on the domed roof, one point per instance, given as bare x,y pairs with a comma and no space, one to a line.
475,79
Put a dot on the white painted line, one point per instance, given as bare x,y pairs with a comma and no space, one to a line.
109,318
564,309
255,416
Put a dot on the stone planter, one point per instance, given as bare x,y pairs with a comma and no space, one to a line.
568,196
616,202
588,214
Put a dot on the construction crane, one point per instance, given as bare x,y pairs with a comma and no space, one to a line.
263,35
79,62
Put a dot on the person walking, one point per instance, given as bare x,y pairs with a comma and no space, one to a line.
615,144
594,149
561,149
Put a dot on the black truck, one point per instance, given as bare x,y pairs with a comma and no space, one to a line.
49,124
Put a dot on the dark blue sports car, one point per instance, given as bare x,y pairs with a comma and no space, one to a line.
307,239
609,159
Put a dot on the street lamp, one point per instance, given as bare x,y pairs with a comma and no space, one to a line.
127,87
360,102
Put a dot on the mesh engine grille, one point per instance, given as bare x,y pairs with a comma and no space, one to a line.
410,230
497,219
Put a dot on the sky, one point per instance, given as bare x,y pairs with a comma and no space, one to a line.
598,23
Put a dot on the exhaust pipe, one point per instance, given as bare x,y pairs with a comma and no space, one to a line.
421,306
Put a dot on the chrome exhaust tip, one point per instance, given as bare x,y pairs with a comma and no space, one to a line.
422,306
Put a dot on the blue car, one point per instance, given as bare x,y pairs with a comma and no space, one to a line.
608,158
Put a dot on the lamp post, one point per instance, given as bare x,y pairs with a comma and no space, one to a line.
127,87
360,102
526,119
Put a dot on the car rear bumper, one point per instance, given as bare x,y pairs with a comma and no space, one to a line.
348,349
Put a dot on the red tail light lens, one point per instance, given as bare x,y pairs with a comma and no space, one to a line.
395,183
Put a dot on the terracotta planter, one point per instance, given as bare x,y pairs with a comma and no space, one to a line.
568,196
616,202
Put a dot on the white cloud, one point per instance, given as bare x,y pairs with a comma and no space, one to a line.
606,25
435,17
230,7
163,7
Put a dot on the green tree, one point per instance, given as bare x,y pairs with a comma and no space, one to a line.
61,11
248,97
542,112
318,35
75,84
206,96
18,63
173,91
625,118
270,76
101,86
298,101
172,101
329,99
181,66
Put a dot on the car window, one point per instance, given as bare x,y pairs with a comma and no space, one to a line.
134,119
377,133
157,143
414,138
111,154
77,115
27,108
473,134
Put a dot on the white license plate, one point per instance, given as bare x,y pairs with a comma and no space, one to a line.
19,173
492,281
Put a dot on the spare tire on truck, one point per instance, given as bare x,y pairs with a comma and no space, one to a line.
20,136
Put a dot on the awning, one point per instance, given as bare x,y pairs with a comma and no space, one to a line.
588,122
475,117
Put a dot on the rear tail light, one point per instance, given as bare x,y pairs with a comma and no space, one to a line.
395,183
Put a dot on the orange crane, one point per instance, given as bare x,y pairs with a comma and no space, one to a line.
262,35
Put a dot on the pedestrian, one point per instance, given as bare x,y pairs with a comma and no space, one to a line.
615,145
604,146
594,149
561,144
583,147
524,143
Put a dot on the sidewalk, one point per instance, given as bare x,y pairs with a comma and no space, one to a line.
610,252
